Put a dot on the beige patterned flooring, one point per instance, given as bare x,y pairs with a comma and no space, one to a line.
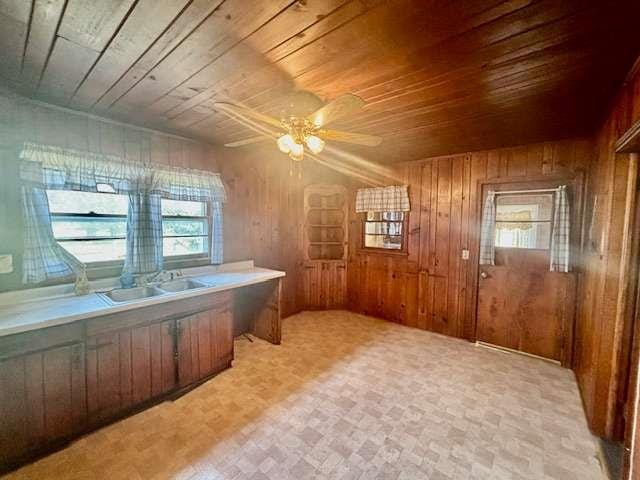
345,397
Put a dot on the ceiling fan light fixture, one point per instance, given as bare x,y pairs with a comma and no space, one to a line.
286,143
315,144
297,149
297,158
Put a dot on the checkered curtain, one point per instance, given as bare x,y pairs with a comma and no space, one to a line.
144,234
560,244
488,230
47,167
394,198
43,257
215,249
58,168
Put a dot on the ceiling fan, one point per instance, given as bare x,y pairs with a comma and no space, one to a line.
301,123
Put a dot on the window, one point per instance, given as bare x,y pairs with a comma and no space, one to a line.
185,228
92,226
384,230
523,220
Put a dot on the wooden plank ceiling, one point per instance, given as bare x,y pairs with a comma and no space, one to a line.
438,76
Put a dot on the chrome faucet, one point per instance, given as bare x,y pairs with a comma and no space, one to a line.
154,277
177,274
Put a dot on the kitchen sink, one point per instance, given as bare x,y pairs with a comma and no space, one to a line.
180,285
121,295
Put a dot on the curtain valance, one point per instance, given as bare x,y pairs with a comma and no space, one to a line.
394,198
58,168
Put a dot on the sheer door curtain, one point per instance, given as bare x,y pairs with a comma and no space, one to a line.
560,231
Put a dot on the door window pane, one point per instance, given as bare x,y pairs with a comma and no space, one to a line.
523,221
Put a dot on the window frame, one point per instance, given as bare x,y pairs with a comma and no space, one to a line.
175,261
209,221
385,251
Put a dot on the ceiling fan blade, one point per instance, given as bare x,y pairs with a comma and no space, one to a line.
240,110
247,141
340,107
350,137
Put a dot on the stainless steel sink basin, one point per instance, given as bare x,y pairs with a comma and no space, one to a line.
180,285
121,295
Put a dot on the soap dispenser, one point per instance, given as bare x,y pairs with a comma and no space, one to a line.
82,286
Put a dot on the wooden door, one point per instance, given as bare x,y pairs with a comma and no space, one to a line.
521,304
523,307
205,344
42,400
128,367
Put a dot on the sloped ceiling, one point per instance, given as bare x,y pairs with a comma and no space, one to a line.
438,76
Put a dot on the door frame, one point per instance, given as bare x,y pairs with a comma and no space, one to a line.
576,189
631,440
629,302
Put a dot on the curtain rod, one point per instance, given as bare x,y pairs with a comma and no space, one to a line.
540,190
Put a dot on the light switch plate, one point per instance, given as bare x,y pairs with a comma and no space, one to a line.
6,263
465,254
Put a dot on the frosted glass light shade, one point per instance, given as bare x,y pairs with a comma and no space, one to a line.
315,144
285,143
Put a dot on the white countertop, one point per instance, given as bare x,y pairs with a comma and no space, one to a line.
50,306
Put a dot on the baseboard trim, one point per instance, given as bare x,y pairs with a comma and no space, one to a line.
498,348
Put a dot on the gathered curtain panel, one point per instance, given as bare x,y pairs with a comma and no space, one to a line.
488,230
394,198
43,258
45,167
144,234
560,241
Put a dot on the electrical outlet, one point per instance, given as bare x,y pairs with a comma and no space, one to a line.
465,254
6,263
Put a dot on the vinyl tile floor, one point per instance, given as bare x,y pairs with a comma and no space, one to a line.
351,397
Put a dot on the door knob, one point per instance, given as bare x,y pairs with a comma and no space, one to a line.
484,275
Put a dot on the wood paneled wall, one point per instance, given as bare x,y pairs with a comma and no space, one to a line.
264,214
602,335
432,287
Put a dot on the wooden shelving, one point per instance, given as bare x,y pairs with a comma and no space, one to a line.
325,222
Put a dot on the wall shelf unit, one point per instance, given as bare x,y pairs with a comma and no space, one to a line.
325,246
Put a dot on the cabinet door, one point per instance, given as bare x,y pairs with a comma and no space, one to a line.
335,282
128,367
312,285
42,399
205,344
